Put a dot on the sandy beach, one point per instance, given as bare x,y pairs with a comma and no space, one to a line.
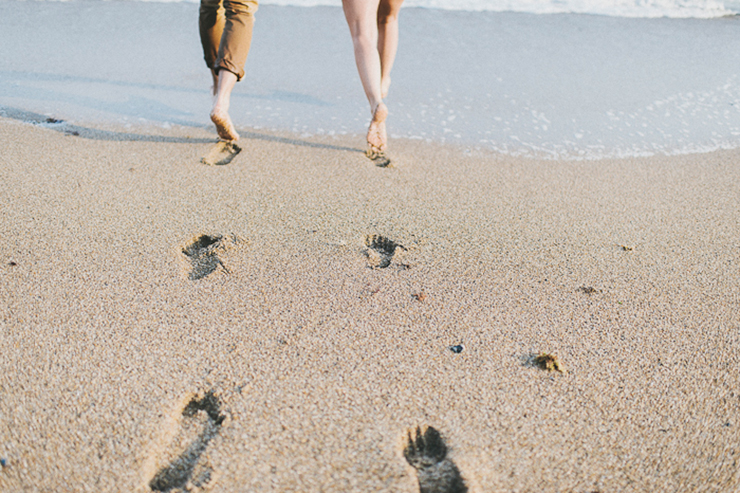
282,322
300,320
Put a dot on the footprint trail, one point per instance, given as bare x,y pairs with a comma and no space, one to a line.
205,254
221,154
381,251
427,453
189,469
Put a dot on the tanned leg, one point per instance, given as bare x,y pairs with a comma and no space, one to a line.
214,88
221,101
361,17
387,40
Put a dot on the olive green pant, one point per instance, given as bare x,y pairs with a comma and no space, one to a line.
226,33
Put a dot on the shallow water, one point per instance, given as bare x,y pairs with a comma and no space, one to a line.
561,85
700,9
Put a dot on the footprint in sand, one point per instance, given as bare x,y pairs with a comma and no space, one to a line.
221,154
379,158
381,251
205,254
427,453
186,467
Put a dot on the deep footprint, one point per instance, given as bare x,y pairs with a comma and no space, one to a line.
379,158
221,154
188,470
203,255
381,251
427,453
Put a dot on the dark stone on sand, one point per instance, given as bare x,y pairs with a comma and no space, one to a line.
548,362
457,349
4,462
12,264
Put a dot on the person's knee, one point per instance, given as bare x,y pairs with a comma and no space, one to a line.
388,12
387,16
364,37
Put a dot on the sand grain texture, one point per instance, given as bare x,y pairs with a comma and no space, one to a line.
314,339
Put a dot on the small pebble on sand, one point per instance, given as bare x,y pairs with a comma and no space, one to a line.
548,362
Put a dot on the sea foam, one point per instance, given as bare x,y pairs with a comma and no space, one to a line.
699,9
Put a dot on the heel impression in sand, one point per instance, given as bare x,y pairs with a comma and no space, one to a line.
179,458
378,157
221,154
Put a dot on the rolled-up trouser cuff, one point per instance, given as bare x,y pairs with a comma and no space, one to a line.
226,65
226,33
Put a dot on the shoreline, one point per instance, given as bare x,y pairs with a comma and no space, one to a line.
289,318
205,133
517,83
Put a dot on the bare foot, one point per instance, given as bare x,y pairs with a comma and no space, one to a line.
376,136
224,127
385,84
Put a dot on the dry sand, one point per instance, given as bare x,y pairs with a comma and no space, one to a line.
296,352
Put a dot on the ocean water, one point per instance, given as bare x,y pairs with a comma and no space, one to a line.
557,85
701,9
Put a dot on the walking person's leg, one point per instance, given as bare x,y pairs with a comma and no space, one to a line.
226,35
222,87
362,18
387,40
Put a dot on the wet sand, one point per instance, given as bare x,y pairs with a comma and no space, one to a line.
524,84
285,321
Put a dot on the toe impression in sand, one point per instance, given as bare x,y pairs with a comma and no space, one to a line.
379,158
180,462
426,451
221,154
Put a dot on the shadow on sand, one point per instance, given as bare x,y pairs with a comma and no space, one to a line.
96,134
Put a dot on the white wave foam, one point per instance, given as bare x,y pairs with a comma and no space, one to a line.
616,8
680,9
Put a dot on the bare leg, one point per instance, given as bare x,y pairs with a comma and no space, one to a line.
215,83
220,111
362,20
387,40
225,33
